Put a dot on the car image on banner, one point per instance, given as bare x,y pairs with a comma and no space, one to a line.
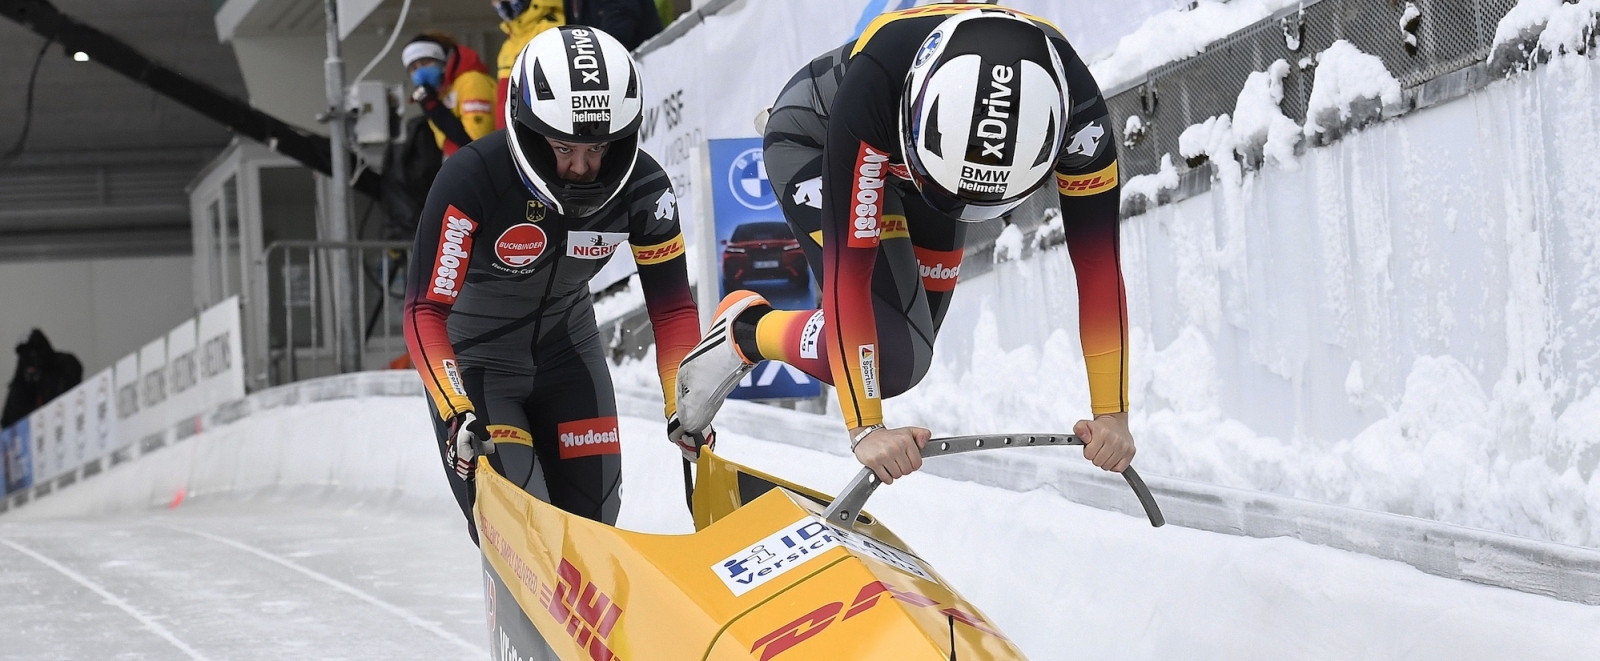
757,251
763,250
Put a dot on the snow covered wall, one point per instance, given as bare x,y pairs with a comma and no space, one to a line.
1407,320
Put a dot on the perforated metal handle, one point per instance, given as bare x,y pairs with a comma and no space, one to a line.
847,506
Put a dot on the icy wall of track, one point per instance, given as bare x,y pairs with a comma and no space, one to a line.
1407,320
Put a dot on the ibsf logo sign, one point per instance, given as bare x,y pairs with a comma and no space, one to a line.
584,438
790,547
519,245
747,180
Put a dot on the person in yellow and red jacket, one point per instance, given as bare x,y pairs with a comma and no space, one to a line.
521,20
453,88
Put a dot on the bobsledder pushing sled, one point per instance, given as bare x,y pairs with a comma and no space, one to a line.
773,571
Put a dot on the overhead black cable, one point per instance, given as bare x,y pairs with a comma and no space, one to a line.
308,148
27,108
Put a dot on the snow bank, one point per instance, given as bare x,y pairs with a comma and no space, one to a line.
1346,76
1149,186
1176,34
1560,27
1008,246
1408,323
1259,125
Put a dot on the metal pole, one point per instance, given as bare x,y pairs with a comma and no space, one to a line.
338,213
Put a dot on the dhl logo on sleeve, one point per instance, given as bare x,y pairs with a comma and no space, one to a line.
894,227
1088,184
656,254
510,434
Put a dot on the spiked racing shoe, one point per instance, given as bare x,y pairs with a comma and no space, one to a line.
714,367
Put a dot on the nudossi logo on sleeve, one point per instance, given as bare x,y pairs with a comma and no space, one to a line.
589,437
940,269
866,193
450,263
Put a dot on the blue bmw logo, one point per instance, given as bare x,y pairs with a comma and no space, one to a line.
747,178
928,47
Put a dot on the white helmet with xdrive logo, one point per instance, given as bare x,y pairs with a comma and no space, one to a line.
984,112
573,84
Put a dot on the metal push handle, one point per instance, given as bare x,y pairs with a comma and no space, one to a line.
848,505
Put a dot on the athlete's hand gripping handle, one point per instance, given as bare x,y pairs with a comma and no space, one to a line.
689,443
847,506
468,439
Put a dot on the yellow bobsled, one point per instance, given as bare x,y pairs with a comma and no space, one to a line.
772,572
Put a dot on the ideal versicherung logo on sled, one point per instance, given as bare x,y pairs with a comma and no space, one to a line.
799,543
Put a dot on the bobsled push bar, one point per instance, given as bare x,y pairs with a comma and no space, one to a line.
848,505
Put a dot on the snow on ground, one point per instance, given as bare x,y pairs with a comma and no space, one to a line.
325,566
1448,253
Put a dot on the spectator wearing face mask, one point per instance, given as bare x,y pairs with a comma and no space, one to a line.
521,20
453,88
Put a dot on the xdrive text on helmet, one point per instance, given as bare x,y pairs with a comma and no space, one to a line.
933,119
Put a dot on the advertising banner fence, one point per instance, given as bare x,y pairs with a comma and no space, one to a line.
757,251
172,379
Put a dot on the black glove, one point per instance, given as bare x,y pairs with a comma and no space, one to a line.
468,439
689,443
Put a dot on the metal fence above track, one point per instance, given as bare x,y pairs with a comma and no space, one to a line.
293,323
1450,35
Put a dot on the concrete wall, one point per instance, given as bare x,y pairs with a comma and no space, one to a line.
98,309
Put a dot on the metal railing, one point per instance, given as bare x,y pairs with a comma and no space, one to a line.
295,328
1450,35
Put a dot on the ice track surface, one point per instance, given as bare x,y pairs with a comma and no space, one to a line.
310,572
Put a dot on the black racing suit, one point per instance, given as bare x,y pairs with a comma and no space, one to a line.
499,321
835,125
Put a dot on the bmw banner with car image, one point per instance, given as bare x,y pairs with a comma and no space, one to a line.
756,250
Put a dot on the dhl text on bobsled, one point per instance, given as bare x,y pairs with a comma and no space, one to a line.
773,571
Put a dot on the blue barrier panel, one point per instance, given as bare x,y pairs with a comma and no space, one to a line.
16,449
